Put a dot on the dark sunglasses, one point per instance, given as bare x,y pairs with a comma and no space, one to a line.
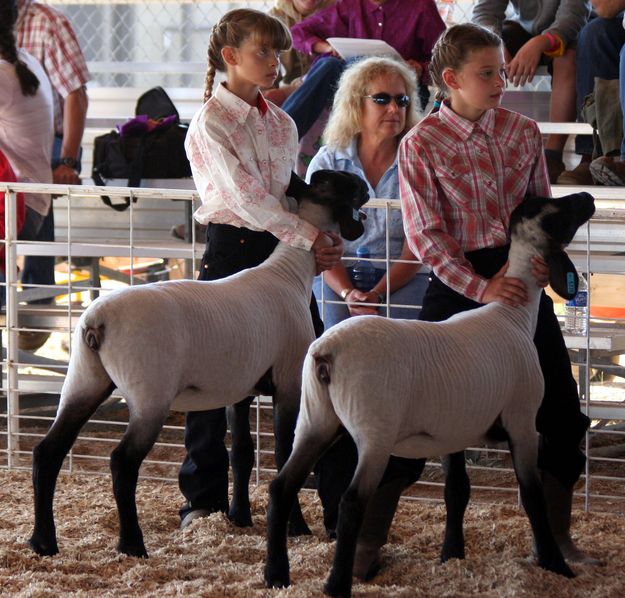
384,99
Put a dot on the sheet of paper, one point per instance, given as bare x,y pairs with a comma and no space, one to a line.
349,47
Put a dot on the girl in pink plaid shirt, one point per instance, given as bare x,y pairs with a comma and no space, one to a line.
463,170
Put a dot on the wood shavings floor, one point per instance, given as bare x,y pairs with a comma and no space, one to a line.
214,558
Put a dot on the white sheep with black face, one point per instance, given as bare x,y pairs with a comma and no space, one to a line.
430,389
194,345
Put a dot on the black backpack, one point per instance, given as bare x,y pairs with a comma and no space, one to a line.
136,153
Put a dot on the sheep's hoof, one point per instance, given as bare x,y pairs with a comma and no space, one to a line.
277,576
337,589
43,548
558,565
452,553
240,519
137,550
299,528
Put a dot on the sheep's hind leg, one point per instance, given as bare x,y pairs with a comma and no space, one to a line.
241,461
140,436
372,462
457,493
524,449
282,496
48,458
285,417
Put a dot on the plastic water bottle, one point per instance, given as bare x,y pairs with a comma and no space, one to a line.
576,310
363,271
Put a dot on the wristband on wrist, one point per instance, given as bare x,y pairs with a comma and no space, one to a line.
381,297
345,292
556,48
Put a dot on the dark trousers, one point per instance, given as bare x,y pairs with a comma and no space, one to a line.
203,476
559,421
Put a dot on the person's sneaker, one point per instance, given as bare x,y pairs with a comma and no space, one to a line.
608,171
580,176
555,167
193,515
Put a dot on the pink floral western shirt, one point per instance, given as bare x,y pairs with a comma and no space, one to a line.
241,158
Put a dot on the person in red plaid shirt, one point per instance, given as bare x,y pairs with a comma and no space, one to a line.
45,33
463,170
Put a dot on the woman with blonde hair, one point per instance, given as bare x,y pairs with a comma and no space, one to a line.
375,104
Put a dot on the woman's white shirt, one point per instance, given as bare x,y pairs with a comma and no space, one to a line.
27,129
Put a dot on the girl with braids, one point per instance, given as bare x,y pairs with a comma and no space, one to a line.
26,113
462,172
242,150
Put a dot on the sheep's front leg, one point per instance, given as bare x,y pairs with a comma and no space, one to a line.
48,458
457,492
524,449
241,461
126,459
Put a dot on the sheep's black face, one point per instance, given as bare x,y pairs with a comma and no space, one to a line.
344,193
549,225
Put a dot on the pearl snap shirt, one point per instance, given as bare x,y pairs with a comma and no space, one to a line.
241,158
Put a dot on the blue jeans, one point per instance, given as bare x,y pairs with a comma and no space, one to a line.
39,269
410,294
308,101
598,48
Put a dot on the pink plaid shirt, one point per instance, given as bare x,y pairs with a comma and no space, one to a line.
459,181
46,34
241,158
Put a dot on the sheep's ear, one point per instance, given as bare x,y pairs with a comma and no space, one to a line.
563,276
350,224
297,188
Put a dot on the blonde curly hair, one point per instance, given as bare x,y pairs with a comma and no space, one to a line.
346,117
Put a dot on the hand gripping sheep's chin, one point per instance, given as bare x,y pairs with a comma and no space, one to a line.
210,345
426,389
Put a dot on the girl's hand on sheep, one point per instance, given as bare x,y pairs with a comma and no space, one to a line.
511,291
540,271
328,248
356,296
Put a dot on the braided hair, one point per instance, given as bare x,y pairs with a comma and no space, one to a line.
8,48
233,29
453,49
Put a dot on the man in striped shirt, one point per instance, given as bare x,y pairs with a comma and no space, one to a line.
47,35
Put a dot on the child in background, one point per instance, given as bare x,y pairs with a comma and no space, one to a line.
242,150
540,33
462,172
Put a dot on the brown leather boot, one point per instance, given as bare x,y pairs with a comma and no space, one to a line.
559,501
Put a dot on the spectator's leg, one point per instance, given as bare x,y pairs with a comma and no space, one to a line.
307,102
598,46
562,107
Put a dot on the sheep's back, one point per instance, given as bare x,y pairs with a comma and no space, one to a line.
410,376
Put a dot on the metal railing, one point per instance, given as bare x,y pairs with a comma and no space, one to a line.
31,384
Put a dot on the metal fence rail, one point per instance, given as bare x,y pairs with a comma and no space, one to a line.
31,382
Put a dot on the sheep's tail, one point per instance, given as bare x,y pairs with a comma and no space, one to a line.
93,336
317,413
323,368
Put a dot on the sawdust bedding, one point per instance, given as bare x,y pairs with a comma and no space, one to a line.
214,558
